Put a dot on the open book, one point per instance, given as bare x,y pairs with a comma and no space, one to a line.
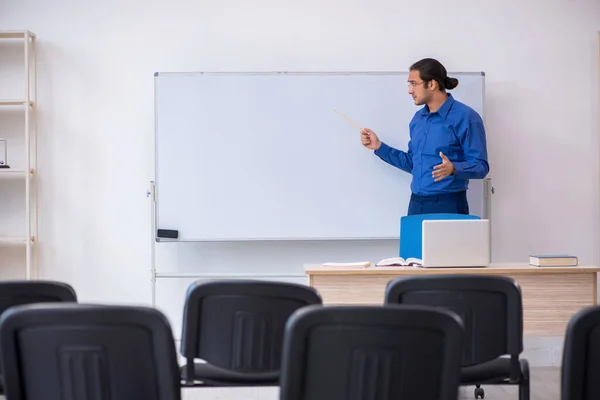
399,261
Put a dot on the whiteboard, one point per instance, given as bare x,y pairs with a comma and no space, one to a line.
263,156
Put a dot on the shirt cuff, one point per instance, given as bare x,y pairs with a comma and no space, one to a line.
383,149
459,168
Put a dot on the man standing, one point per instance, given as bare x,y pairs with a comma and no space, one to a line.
447,145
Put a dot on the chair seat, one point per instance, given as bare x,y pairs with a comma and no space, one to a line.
496,370
211,375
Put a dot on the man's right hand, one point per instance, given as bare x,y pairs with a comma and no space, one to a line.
369,139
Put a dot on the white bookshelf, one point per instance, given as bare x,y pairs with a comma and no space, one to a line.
25,170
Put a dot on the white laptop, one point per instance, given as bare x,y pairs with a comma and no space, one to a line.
456,243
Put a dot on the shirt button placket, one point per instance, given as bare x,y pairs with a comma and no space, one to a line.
420,157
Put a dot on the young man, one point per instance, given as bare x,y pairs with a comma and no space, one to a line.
447,145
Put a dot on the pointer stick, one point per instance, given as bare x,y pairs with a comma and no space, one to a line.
348,119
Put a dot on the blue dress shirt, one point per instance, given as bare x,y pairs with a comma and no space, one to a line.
456,130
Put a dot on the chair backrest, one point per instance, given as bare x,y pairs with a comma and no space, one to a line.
581,356
21,292
239,324
13,293
411,232
74,351
490,307
371,353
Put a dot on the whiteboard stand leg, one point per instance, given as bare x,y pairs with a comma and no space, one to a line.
150,193
489,191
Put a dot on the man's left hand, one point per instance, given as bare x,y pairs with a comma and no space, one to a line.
443,170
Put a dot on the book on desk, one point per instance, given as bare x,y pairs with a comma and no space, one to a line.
553,261
386,262
400,262
358,264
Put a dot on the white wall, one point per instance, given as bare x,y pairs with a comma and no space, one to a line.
95,79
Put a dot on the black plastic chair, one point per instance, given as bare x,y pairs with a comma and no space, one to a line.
492,312
236,328
20,292
581,356
13,293
77,351
371,353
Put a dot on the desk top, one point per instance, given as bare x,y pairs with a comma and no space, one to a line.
493,269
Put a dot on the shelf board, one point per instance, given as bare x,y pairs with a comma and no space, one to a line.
4,240
12,173
14,102
16,34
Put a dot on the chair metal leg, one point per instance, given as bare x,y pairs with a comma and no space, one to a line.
189,372
524,383
479,392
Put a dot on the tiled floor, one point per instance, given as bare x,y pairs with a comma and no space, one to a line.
545,385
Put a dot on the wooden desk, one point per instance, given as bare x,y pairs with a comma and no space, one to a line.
551,295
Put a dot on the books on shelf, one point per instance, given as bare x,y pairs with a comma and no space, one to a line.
553,261
399,261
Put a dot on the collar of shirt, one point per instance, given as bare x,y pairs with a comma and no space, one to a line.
443,110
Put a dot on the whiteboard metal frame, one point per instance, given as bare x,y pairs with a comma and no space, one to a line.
151,192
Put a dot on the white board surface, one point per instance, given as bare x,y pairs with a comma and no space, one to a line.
263,156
